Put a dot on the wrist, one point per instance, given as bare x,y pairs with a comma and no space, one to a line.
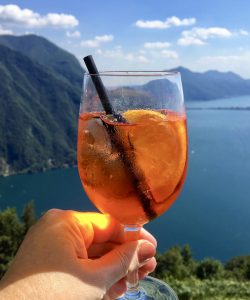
49,286
14,291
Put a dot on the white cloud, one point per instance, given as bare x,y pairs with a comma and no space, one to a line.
143,59
190,40
198,36
243,32
104,38
118,53
5,31
159,54
206,33
169,22
99,51
73,34
14,15
169,54
97,41
156,45
90,44
238,62
221,58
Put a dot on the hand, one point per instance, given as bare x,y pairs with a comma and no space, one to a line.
73,255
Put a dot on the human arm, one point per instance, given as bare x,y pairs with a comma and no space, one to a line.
72,255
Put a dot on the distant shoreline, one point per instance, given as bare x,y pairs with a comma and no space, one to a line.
22,172
218,108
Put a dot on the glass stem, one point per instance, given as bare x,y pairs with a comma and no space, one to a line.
133,291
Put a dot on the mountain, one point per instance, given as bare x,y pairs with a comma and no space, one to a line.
61,63
212,84
40,87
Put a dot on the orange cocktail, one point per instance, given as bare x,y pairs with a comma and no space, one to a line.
152,142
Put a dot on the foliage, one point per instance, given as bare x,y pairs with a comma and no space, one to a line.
171,263
12,232
39,104
186,254
210,289
208,279
209,268
239,267
28,217
177,262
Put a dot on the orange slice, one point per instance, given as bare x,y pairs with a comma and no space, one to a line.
160,145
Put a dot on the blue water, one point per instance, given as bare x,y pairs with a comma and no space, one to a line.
242,101
213,212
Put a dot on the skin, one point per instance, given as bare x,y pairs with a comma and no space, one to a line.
73,255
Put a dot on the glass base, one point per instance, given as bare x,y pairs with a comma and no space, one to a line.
152,289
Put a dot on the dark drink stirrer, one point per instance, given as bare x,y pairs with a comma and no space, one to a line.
138,179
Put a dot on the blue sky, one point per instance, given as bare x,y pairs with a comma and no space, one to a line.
136,34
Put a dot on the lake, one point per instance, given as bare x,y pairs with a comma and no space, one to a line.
212,214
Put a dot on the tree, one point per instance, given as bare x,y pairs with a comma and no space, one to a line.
239,267
247,272
11,234
209,268
171,263
186,254
6,250
28,216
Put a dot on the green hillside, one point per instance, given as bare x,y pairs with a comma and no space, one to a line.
39,106
60,62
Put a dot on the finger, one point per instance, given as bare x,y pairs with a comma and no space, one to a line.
123,259
97,250
145,235
149,266
142,275
118,289
105,228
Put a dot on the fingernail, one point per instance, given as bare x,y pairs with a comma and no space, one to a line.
146,251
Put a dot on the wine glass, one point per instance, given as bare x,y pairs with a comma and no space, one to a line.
132,152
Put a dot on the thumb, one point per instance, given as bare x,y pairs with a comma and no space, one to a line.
123,259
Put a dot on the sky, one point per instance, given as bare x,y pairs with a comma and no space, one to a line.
140,34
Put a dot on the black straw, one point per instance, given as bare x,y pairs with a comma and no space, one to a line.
100,88
138,179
